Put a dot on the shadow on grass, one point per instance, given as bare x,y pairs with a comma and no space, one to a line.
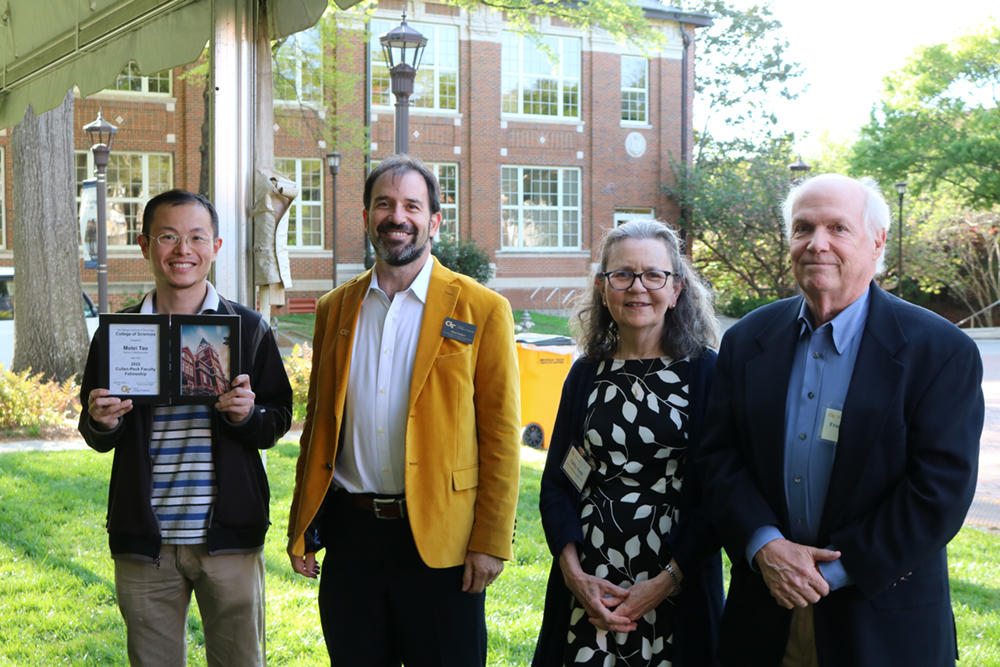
978,598
42,502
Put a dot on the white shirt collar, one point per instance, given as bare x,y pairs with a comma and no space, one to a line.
418,287
211,302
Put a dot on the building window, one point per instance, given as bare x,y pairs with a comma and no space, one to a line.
133,179
131,80
436,85
623,215
533,85
305,219
298,69
447,176
540,208
635,89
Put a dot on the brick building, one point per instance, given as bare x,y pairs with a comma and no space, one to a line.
535,158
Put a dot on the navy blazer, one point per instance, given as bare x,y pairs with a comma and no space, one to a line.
903,478
693,541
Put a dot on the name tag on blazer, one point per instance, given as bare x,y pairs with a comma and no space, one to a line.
463,332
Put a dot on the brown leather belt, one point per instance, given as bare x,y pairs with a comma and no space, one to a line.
383,507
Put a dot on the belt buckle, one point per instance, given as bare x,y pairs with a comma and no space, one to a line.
379,503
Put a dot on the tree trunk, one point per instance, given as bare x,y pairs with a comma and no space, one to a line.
50,335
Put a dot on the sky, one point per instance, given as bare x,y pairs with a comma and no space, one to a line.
847,47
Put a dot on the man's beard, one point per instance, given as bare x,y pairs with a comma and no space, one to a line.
399,255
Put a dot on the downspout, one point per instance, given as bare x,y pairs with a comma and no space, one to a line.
686,38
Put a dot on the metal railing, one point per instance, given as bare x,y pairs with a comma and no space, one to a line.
563,307
978,312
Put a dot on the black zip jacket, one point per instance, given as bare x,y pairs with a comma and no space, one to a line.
239,517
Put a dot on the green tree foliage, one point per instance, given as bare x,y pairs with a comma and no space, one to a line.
623,20
939,122
318,68
463,257
730,193
734,214
741,70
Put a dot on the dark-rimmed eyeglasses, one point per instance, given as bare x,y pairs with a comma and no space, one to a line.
651,280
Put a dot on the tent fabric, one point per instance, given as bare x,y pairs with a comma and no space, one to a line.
86,43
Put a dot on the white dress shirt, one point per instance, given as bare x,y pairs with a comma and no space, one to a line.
372,451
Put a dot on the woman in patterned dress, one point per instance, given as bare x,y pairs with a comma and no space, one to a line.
637,573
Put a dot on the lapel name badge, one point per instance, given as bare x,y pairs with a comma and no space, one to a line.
463,332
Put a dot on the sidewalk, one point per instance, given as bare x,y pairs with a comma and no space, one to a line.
985,510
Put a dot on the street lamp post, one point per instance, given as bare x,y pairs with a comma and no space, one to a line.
101,134
901,189
799,169
333,162
403,48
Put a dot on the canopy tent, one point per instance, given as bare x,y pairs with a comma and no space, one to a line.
49,49
86,43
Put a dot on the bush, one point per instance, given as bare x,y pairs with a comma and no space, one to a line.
738,306
463,257
298,365
28,400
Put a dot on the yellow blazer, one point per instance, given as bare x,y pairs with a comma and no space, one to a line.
463,433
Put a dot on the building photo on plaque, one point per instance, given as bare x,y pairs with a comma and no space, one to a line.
206,352
169,359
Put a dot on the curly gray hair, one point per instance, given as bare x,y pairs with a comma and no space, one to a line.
690,326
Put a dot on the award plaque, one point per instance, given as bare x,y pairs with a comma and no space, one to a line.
169,359
136,363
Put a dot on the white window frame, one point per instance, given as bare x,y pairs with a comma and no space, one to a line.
300,203
141,200
522,218
145,93
302,61
430,64
436,167
642,92
512,40
623,215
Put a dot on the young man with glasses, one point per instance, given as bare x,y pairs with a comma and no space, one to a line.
188,500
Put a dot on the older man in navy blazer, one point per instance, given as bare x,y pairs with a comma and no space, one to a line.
840,454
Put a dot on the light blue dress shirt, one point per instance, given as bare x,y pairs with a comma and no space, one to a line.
820,378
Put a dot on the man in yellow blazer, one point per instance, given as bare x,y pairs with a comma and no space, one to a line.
408,469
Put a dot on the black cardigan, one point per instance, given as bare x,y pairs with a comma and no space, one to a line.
240,515
693,541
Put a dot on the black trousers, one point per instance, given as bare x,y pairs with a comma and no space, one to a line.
380,606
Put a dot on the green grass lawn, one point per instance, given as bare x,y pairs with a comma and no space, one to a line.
57,598
302,323
546,324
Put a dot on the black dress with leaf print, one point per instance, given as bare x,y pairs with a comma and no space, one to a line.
636,437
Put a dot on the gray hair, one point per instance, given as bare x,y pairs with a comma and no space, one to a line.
876,213
688,327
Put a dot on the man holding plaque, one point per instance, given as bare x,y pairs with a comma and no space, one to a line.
408,470
188,500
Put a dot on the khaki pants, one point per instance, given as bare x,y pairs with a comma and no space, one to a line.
154,602
801,649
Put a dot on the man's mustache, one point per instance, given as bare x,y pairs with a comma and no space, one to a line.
386,227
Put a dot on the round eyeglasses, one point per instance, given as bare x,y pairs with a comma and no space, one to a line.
193,240
651,280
